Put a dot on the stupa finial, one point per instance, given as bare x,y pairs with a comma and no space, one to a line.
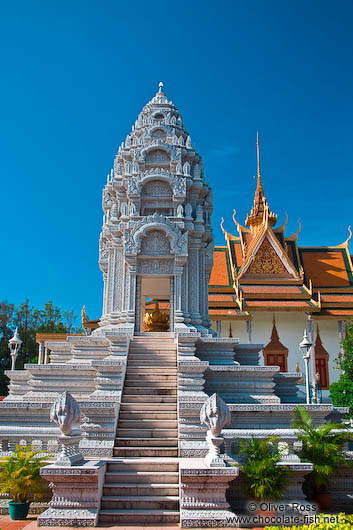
160,86
258,160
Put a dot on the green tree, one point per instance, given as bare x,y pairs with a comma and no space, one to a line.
265,479
6,331
29,321
342,391
323,446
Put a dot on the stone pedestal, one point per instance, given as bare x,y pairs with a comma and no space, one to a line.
76,494
202,495
70,454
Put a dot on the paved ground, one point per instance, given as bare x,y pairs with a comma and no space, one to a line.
31,524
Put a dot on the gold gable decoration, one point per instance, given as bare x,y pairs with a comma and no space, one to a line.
266,261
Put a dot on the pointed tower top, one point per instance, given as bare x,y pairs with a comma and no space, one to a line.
260,211
160,86
258,161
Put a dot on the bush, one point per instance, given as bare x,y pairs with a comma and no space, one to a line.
20,475
342,522
322,446
342,392
264,478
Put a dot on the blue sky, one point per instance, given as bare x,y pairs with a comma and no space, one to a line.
74,76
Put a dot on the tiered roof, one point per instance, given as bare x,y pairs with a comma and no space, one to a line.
262,269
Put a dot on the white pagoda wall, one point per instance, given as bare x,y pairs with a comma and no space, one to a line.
290,327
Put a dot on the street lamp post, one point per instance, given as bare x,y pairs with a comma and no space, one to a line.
14,347
305,347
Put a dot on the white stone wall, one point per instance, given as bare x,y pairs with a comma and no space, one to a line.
290,327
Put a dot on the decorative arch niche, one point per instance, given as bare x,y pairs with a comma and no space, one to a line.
157,196
157,156
155,243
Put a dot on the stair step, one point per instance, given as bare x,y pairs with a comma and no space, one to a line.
147,424
152,390
141,517
148,361
138,379
145,442
155,465
120,488
146,433
141,477
147,407
145,451
131,502
147,414
151,370
148,398
150,385
152,354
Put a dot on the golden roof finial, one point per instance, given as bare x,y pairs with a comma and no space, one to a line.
260,213
258,160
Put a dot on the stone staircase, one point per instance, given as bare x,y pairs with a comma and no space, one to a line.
142,484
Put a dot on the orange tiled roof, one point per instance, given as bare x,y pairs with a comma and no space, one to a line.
326,267
220,274
295,291
238,252
333,298
335,313
279,304
226,313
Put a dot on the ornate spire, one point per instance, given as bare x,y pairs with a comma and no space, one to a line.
319,347
275,344
260,212
258,161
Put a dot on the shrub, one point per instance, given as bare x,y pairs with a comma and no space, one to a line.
264,478
20,475
342,522
323,447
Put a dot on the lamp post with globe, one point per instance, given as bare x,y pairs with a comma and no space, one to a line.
14,347
305,347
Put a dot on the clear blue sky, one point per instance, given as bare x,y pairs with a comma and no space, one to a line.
74,76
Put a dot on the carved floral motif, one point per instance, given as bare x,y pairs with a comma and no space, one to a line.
266,261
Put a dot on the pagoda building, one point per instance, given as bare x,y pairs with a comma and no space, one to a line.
262,274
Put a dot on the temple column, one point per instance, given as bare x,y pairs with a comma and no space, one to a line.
46,355
219,327
249,330
104,309
312,354
138,304
110,283
131,293
194,274
171,304
341,334
115,293
178,287
41,352
185,295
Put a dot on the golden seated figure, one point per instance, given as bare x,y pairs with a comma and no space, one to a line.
156,321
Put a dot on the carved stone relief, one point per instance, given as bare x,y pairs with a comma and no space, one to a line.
155,244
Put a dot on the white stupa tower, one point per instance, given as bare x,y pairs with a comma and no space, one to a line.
156,241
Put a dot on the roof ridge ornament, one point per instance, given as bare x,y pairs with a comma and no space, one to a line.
294,237
345,243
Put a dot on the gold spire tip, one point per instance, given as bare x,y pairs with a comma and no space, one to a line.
258,158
